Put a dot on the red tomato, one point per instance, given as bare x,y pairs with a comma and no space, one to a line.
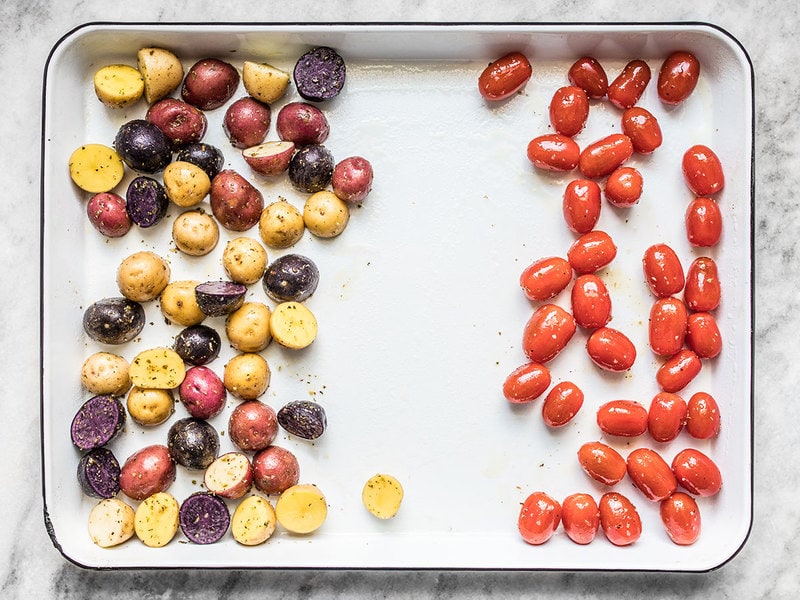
602,463
703,335
539,518
624,418
591,303
663,271
580,517
505,76
651,474
703,222
591,252
589,75
642,127
703,292
678,371
702,416
702,171
629,85
696,472
561,404
581,205
547,332
545,278
526,383
678,77
666,416
602,157
681,518
619,519
667,327
624,187
554,152
610,349
569,110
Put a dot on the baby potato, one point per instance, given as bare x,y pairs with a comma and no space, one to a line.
253,521
159,368
105,374
96,168
111,522
179,303
142,276
325,214
244,260
150,406
263,81
157,519
281,225
186,183
382,495
302,508
247,327
293,325
246,376
118,86
161,71
195,233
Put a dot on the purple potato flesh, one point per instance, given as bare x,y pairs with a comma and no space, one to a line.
204,518
98,473
97,422
320,74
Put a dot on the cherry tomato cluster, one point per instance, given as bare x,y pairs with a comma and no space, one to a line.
681,330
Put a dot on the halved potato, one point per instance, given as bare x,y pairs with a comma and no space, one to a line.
382,495
302,508
118,86
253,521
96,168
263,81
293,325
157,368
111,522
161,71
157,519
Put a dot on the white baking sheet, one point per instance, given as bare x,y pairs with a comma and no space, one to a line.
419,307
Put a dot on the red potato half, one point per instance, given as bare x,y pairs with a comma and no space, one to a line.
229,476
147,472
246,122
352,179
270,158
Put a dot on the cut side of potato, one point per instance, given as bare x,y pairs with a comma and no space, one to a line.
118,86
293,325
157,368
161,71
253,521
382,495
157,519
302,508
263,81
111,522
96,168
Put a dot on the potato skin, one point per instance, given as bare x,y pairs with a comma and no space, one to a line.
143,146
281,225
146,472
244,260
252,426
142,276
209,83
236,204
311,168
186,184
247,327
202,392
302,123
114,320
108,214
325,214
181,122
179,304
149,406
275,469
352,179
105,374
246,122
247,376
161,71
195,233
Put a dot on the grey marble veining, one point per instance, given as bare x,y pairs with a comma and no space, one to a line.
767,567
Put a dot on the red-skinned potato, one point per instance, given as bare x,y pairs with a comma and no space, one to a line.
229,476
108,214
270,158
246,122
252,425
352,179
235,203
146,472
209,83
181,122
275,470
202,392
302,123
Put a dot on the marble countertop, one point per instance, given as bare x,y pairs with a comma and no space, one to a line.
767,565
